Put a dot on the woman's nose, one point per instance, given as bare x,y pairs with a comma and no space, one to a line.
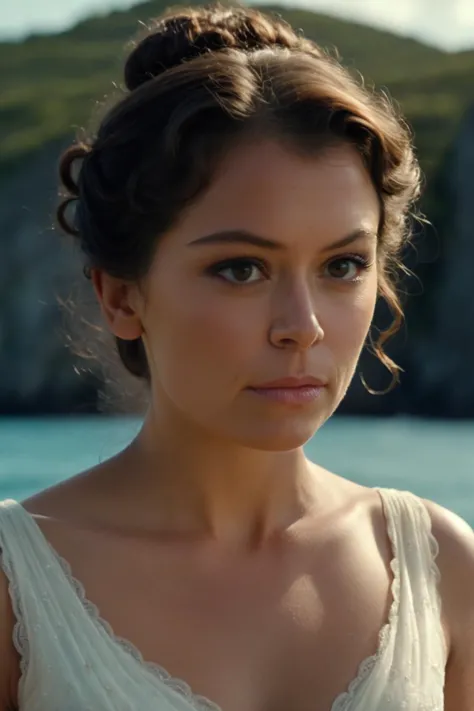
296,325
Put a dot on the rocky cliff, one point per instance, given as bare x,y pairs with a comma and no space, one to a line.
443,358
37,268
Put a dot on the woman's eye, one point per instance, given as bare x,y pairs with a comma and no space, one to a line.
347,268
240,271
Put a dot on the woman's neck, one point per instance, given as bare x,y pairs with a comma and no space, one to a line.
186,482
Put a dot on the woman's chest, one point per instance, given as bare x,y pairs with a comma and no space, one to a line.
255,639
287,668
263,636
285,627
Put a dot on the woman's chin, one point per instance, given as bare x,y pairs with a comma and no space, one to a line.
273,438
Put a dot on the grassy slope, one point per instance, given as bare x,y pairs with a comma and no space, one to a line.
49,84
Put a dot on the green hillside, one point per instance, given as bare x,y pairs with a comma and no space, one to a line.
49,85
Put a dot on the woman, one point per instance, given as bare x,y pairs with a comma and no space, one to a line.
240,210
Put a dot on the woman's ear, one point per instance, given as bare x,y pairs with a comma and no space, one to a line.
120,304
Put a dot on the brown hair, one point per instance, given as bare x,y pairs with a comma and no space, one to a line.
196,81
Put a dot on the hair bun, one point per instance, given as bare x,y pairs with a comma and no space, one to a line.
186,33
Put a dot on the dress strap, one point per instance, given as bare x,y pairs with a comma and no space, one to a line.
36,582
416,550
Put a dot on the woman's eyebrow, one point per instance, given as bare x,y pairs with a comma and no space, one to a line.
237,236
359,233
246,237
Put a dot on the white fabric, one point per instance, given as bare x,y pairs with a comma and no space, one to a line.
71,660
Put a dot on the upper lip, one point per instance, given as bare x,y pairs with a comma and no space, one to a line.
304,381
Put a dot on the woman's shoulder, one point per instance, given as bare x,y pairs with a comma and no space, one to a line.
454,554
70,504
455,539
450,529
455,561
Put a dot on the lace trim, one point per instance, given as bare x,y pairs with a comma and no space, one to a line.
19,636
343,701
435,572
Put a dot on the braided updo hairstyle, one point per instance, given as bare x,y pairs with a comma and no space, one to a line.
196,81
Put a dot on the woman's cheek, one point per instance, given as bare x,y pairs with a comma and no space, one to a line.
207,338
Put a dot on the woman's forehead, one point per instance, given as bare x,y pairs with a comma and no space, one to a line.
267,190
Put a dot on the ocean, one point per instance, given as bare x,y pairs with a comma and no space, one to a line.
434,459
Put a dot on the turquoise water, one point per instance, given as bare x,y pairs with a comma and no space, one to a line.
432,459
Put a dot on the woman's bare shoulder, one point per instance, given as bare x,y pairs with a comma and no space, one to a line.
73,500
455,539
86,495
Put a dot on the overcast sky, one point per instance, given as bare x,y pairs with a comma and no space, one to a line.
446,23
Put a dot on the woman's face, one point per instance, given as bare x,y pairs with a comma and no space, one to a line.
270,274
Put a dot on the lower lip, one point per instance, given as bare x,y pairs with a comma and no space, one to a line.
291,396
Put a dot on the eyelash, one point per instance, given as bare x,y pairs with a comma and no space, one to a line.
216,269
364,264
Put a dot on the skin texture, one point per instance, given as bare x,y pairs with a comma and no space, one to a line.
278,567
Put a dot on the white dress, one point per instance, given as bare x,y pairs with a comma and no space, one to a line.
72,661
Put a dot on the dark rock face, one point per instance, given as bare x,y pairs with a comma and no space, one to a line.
444,362
38,266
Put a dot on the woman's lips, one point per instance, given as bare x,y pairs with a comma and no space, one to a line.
291,396
291,390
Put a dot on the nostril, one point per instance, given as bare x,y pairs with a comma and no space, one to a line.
297,338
